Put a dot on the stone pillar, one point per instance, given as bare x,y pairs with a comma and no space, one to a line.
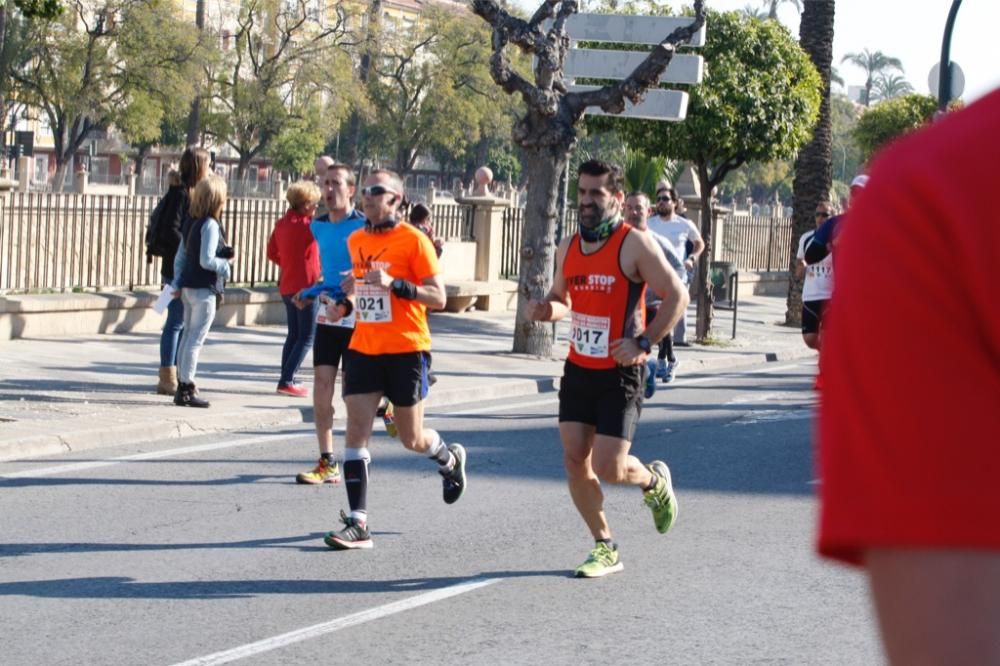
25,165
487,225
80,180
278,190
131,184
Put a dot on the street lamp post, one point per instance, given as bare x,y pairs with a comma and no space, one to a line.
944,82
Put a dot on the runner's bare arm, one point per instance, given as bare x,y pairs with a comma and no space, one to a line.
556,303
431,293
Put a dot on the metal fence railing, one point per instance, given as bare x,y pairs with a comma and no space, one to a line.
66,242
757,243
510,251
452,222
76,242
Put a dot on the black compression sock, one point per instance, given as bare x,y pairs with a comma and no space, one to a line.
356,480
327,457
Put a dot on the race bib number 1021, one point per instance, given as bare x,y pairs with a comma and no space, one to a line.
589,335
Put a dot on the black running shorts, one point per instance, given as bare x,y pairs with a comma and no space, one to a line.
610,400
400,377
330,344
812,315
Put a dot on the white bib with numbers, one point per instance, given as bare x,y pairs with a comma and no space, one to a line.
589,335
372,303
323,320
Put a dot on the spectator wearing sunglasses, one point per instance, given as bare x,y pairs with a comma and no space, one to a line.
687,244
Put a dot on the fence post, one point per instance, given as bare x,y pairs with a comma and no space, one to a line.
770,241
487,226
24,168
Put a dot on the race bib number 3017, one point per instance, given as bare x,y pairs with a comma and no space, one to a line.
372,304
589,335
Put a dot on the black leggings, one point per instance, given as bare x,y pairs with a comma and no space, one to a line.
667,348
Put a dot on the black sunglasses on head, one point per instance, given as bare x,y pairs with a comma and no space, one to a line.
376,190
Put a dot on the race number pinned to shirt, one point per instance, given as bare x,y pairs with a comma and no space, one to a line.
372,303
324,319
589,335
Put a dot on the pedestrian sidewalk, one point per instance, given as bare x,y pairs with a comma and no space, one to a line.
71,394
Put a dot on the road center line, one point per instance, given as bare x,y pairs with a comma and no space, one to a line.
307,633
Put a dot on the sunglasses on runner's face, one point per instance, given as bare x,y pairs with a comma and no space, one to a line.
664,198
823,214
376,190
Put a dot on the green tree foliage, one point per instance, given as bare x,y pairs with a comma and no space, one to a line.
297,145
757,103
92,68
882,123
431,90
282,66
41,9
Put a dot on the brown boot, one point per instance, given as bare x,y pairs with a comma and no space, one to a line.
168,380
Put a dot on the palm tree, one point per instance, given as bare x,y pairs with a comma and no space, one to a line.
874,64
814,164
772,7
755,13
887,86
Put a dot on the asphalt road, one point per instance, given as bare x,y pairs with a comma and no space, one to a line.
206,551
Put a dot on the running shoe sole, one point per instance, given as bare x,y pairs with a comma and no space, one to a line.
614,568
339,544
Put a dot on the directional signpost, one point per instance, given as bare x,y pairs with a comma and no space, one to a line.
657,104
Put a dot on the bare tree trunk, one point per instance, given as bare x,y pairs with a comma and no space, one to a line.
194,117
543,166
703,327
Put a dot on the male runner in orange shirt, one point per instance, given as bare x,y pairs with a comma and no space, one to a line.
395,278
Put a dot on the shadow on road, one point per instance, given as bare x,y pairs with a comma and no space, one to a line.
120,587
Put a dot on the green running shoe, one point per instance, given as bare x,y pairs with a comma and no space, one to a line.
661,499
601,562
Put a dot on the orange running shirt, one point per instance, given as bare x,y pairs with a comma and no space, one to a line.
387,324
605,304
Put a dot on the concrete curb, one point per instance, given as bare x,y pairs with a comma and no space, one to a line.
167,422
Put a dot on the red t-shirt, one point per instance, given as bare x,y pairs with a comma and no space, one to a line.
293,248
909,424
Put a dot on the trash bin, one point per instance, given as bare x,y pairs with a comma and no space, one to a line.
720,275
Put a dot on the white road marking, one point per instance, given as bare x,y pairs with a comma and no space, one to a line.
152,455
307,633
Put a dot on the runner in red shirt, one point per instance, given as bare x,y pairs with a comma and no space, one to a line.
909,453
600,280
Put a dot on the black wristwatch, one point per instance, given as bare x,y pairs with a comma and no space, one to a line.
643,342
